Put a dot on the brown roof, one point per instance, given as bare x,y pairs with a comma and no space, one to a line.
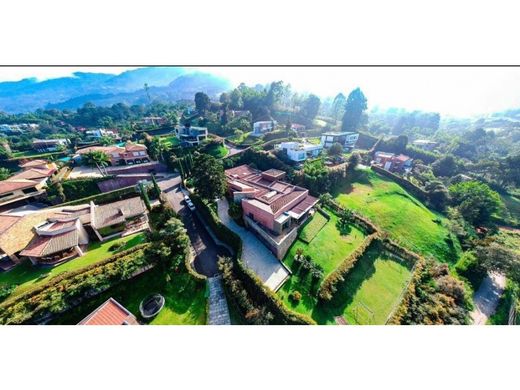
47,245
10,185
110,312
33,173
308,202
33,163
104,149
130,147
117,212
6,221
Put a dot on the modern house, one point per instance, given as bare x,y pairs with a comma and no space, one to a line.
100,133
299,151
425,144
128,154
191,135
272,208
110,312
347,139
392,162
54,235
50,145
262,127
153,121
27,184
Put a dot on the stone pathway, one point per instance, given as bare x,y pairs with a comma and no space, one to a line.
218,308
487,297
255,254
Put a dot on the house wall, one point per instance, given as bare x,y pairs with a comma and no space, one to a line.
262,216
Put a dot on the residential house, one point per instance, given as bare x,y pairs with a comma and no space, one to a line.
153,120
240,114
297,127
27,184
100,133
262,127
128,154
272,208
191,135
425,144
110,312
299,151
392,162
50,145
347,139
18,128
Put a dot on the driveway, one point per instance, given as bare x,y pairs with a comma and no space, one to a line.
254,253
487,297
206,251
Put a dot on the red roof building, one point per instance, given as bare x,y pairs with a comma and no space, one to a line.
129,154
110,312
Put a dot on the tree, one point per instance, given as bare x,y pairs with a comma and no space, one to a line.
354,109
336,149
274,94
156,186
353,161
4,173
235,99
446,166
106,140
96,158
338,106
144,195
202,102
208,177
498,258
475,201
438,194
4,153
311,107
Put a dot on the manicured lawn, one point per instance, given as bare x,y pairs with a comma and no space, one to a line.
170,141
313,227
512,203
217,151
26,275
185,300
369,292
328,249
405,218
34,154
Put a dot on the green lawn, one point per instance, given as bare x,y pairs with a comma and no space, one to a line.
313,227
369,293
512,204
185,300
328,249
34,154
405,218
217,151
170,141
26,275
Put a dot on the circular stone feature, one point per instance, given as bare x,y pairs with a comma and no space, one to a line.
151,305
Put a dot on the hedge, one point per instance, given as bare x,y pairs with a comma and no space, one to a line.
81,188
252,284
359,221
106,197
329,286
416,191
70,288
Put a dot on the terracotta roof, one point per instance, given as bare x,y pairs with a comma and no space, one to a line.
110,312
131,147
33,173
33,163
402,158
6,221
16,184
47,245
117,212
104,149
308,202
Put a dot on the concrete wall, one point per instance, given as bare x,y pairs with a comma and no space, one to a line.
279,248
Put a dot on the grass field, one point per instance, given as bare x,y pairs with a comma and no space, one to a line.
26,275
512,203
217,151
170,141
405,218
313,227
34,154
245,139
185,300
370,291
328,249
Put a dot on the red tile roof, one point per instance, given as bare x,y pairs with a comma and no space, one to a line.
33,163
33,173
47,245
6,221
13,185
110,312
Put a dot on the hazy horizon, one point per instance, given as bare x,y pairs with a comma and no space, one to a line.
460,92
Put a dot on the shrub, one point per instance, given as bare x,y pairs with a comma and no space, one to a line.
117,246
295,296
469,267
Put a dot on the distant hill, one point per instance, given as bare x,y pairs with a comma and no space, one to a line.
167,84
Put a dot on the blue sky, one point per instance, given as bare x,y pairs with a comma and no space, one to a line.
450,91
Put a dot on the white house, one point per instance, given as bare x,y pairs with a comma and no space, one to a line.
49,145
191,135
347,139
261,127
299,151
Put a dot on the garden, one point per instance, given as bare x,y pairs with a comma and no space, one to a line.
26,275
404,217
170,141
216,150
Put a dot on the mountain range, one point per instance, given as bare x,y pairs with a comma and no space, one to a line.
167,84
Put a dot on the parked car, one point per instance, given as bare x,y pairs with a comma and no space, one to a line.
187,198
191,206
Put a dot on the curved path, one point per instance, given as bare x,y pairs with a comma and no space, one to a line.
487,297
255,254
218,308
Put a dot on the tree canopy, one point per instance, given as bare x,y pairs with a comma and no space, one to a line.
208,177
475,200
354,109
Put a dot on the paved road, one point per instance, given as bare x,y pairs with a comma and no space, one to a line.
218,308
233,150
254,253
487,297
206,251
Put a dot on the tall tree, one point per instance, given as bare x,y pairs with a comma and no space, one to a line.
354,109
202,102
98,159
338,106
311,107
475,201
208,177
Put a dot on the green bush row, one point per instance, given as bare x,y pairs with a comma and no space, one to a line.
252,284
70,288
359,221
329,286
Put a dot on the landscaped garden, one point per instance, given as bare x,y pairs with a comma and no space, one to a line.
170,141
404,217
216,150
26,275
326,250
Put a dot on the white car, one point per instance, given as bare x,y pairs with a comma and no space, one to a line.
191,206
187,198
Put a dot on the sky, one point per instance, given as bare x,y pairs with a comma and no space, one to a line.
450,91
